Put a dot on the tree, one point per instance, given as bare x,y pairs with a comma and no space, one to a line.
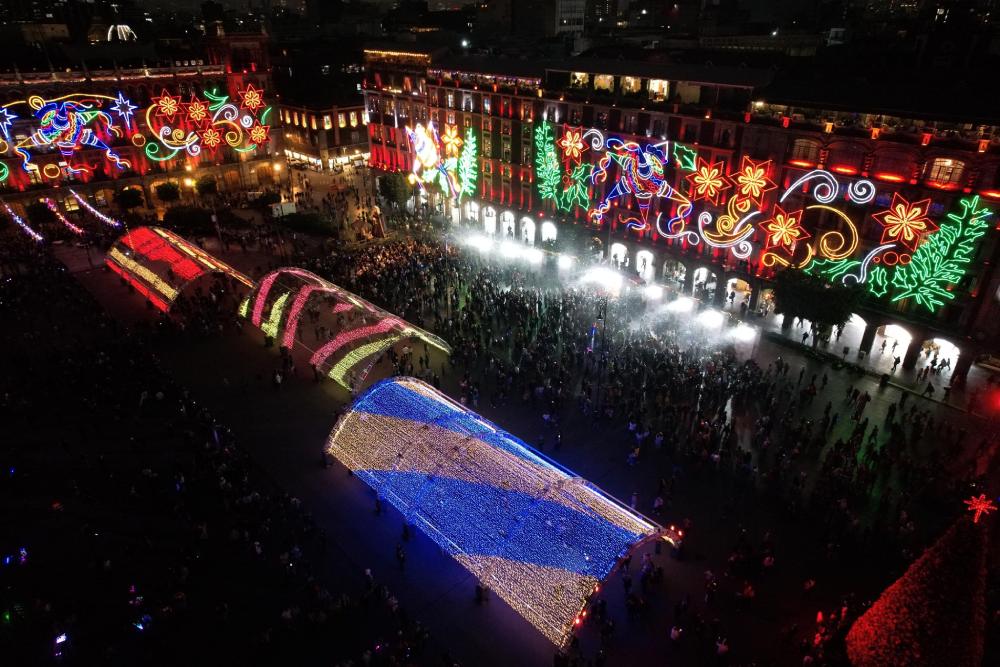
935,614
129,198
189,220
394,188
39,213
207,186
168,192
799,294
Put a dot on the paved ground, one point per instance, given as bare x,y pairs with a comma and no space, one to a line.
285,432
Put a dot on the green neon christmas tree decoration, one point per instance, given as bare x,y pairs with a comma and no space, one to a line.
944,258
878,282
684,156
468,165
547,163
831,269
577,192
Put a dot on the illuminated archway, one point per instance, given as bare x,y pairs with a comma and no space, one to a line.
507,225
644,265
618,255
674,272
490,220
527,231
472,211
548,231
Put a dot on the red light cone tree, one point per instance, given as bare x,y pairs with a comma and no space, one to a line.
935,614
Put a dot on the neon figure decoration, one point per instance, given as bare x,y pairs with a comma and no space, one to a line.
429,166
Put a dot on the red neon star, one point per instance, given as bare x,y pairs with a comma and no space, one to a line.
905,222
784,229
979,506
751,181
708,181
252,99
167,105
259,134
211,137
197,110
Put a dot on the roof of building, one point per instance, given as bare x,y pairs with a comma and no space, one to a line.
693,73
537,535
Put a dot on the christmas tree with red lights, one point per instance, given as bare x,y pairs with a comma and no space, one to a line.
935,614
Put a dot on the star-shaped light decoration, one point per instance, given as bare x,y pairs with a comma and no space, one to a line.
124,108
6,120
905,222
452,142
572,143
751,181
197,111
167,105
211,138
251,98
980,506
259,134
784,229
708,181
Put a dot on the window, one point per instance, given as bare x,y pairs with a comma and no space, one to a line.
327,123
451,117
805,151
604,82
33,176
354,119
631,85
659,90
944,171
486,103
526,154
450,100
341,120
296,117
312,122
579,80
71,204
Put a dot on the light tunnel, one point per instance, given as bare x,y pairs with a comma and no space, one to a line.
359,331
540,537
161,265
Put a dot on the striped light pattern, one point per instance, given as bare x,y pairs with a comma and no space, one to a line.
19,221
51,205
359,341
111,222
163,263
542,538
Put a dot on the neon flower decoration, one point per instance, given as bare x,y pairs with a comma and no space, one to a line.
904,222
19,221
539,536
572,144
452,142
161,265
708,181
205,123
752,181
785,229
429,167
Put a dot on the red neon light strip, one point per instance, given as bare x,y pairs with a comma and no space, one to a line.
154,248
139,287
344,307
292,323
847,171
892,178
262,292
345,337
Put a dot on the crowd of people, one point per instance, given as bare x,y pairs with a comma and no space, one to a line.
136,530
688,407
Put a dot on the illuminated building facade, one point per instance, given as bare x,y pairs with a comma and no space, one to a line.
100,130
713,171
323,136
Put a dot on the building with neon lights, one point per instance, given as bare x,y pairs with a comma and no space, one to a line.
292,305
139,124
540,537
710,179
162,266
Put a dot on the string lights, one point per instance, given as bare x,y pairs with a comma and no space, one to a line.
51,205
540,537
111,222
19,221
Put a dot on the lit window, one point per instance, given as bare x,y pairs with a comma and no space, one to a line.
804,150
296,117
631,84
604,82
944,171
327,122
486,103
341,120
354,119
659,90
312,122
450,100
579,79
